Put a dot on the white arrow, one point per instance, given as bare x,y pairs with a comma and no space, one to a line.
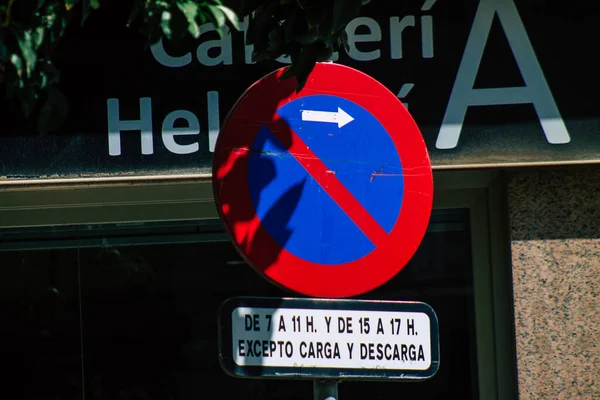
340,117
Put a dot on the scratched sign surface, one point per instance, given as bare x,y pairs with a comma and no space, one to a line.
326,192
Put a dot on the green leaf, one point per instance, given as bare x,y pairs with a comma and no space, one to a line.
28,51
51,72
260,26
53,112
17,62
252,32
11,82
3,51
165,24
136,8
231,16
175,24
152,29
314,15
190,9
292,26
275,45
248,6
55,21
70,4
343,12
324,53
41,80
343,40
302,64
85,12
218,17
3,15
38,36
309,37
28,98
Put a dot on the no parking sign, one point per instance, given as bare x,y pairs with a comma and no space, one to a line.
326,192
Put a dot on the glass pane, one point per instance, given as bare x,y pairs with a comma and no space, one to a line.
40,327
147,306
440,274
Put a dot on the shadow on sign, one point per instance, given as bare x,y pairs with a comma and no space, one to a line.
252,169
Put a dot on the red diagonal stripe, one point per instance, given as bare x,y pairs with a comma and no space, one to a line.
328,181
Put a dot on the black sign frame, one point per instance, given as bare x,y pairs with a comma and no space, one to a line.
225,338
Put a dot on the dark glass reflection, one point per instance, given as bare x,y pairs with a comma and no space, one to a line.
130,312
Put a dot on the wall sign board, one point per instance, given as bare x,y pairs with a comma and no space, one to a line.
488,82
323,338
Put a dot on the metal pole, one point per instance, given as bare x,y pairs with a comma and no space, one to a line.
325,390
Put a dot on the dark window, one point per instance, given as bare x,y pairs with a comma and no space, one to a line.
131,311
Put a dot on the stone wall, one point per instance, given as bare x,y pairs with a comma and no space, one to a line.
555,234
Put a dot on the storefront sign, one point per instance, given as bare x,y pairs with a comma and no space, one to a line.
489,83
310,170
350,339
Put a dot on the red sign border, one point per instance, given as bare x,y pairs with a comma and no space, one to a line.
256,107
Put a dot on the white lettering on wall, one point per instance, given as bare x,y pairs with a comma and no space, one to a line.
535,91
164,58
427,30
397,27
219,51
374,35
427,4
365,44
116,126
404,90
169,131
222,44
213,119
248,48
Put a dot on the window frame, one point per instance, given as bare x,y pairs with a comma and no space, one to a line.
130,201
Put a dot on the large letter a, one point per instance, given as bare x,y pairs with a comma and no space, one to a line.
535,91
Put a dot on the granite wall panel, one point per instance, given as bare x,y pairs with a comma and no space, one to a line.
555,246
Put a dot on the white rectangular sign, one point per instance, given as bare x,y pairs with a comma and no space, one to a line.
328,338
331,338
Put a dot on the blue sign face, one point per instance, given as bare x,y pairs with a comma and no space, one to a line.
295,209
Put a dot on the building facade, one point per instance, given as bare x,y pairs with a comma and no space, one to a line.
115,261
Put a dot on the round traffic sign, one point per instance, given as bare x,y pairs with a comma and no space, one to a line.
326,192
